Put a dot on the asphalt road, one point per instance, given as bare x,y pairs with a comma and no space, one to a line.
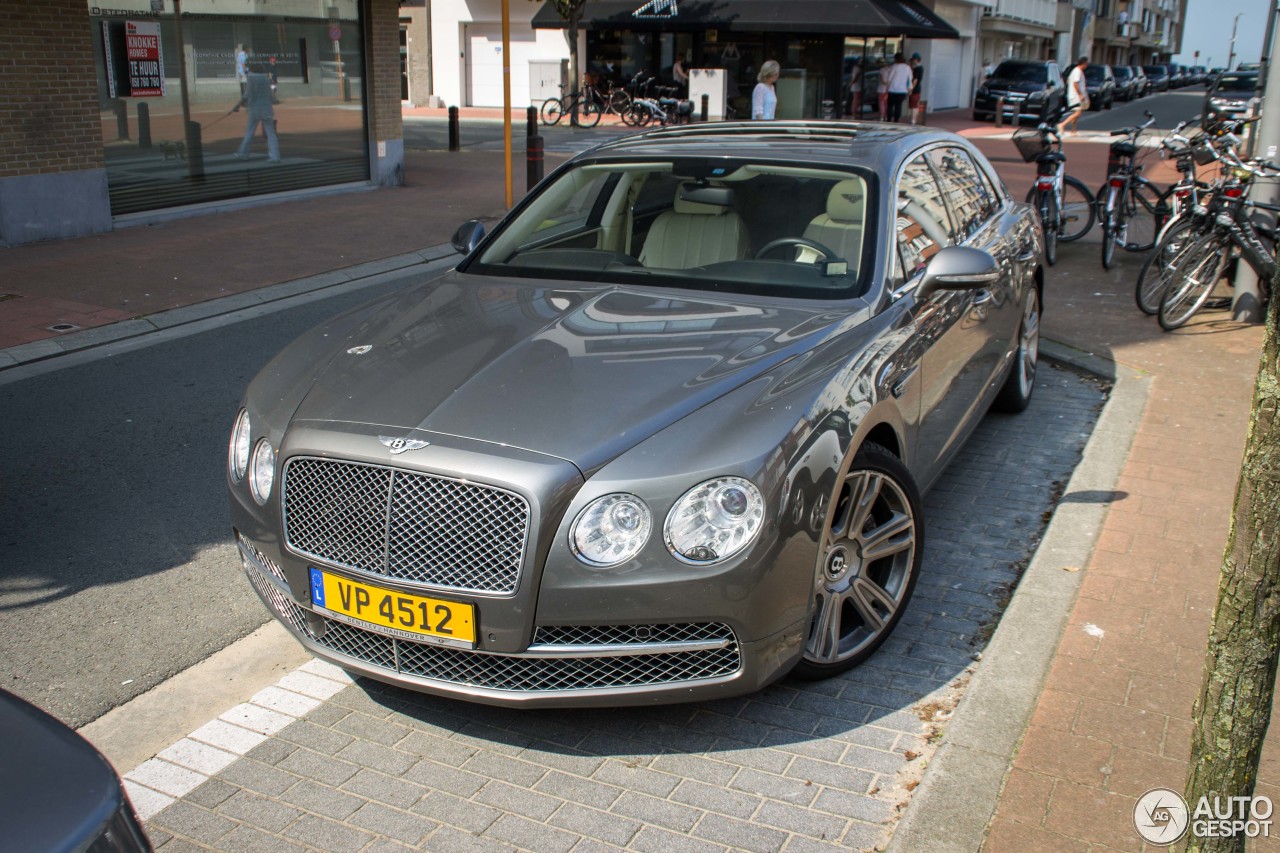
117,568
1169,108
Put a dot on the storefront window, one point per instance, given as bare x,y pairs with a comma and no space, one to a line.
202,104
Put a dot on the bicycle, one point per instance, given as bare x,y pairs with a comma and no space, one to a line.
1065,204
582,107
1225,229
1177,205
663,109
1127,203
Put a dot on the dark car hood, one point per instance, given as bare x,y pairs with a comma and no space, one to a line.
581,374
1015,85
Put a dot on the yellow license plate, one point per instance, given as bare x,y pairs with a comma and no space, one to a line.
400,614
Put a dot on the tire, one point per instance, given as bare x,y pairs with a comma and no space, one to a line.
1151,284
858,600
552,111
1048,208
639,115
1077,211
1195,271
1015,394
619,102
588,114
1109,215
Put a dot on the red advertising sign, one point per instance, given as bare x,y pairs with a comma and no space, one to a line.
145,58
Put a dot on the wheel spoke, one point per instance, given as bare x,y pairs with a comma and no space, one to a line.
824,642
873,602
862,497
893,537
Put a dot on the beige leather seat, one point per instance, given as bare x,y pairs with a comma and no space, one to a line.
840,228
693,235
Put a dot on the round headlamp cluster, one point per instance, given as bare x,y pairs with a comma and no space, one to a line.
259,466
712,522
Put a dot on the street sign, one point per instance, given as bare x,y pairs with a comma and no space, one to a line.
335,32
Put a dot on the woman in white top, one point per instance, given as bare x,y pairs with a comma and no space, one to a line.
764,100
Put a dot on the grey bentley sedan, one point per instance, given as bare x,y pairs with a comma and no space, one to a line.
661,435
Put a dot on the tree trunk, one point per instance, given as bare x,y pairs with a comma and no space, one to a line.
1234,708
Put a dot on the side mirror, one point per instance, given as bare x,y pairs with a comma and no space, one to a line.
468,236
959,268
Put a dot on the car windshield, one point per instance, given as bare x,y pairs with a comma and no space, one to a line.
713,224
1022,72
1122,73
1155,71
1095,74
1236,83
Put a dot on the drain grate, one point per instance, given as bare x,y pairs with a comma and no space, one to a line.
63,327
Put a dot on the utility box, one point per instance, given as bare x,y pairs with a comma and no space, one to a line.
714,83
546,77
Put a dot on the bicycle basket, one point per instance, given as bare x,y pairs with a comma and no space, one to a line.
1031,144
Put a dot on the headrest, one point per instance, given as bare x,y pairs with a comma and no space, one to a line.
695,207
844,202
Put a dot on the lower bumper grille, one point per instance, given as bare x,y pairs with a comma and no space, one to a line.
530,673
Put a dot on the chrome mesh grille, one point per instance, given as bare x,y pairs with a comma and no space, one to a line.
522,673
406,525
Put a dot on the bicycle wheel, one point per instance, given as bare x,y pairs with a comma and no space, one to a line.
1076,212
552,111
588,114
1195,271
1047,206
639,115
619,102
1110,216
1142,217
1154,277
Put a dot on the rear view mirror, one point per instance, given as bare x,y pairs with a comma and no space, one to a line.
959,268
716,196
468,236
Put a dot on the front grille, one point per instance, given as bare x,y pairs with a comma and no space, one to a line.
407,525
527,673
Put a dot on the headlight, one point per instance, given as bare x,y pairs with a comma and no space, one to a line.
611,530
264,471
238,452
714,520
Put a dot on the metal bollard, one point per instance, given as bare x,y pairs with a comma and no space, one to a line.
531,122
122,118
346,88
144,124
999,112
533,161
706,106
455,132
195,150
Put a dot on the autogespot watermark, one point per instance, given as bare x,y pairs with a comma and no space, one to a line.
1162,816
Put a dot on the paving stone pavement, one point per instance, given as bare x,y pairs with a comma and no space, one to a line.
318,762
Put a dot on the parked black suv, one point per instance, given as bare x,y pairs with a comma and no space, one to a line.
1031,89
1159,77
1100,83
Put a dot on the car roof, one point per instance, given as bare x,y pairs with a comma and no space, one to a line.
873,145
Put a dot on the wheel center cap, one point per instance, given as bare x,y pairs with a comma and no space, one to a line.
838,563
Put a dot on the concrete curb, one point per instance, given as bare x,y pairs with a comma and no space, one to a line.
956,800
371,272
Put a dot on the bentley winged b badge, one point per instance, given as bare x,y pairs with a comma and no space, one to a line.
401,445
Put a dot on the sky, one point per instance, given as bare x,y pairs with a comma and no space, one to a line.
1208,30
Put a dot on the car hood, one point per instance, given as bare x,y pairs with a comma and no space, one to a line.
1015,86
581,374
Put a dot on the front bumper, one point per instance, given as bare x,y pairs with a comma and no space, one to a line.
577,666
1016,106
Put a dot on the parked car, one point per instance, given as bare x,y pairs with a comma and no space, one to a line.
661,436
1233,93
1249,66
1159,77
1100,83
1200,73
1126,82
1030,90
57,792
1142,83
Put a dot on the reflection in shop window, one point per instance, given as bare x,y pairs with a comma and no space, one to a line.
177,144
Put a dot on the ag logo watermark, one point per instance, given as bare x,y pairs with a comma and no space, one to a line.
1162,816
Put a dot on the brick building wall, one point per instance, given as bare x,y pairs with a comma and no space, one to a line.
383,68
48,89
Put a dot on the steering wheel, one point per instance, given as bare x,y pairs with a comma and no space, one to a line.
802,242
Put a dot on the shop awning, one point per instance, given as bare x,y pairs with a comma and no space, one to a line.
847,17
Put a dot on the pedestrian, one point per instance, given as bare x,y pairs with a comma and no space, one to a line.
257,98
681,76
1077,96
854,101
242,67
899,86
882,90
764,100
917,78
